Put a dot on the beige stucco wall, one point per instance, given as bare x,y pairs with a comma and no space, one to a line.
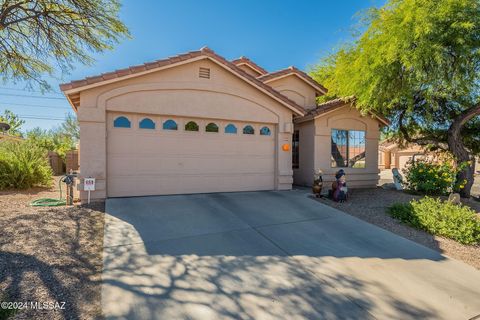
348,119
178,91
296,89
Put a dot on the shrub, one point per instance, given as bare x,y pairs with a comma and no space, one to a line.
23,165
432,178
441,218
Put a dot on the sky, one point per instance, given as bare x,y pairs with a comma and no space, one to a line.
274,34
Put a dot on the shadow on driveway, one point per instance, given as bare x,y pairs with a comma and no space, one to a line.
270,255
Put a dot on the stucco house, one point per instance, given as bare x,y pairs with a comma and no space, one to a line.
198,123
391,155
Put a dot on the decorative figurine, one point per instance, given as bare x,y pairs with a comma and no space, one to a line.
317,183
339,187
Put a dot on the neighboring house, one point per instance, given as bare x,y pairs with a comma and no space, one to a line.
198,123
7,137
390,155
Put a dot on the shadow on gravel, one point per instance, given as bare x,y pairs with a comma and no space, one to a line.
53,255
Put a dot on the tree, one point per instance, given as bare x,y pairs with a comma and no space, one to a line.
51,140
14,121
38,35
71,127
417,62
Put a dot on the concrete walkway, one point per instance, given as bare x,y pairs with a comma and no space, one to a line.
270,255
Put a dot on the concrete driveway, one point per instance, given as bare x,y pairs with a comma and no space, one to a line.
270,255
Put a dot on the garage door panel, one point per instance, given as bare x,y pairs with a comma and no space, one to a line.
175,162
194,164
121,186
120,163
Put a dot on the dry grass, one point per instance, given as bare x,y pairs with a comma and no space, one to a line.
51,255
370,205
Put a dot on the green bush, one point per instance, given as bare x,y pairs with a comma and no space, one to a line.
431,178
441,218
23,165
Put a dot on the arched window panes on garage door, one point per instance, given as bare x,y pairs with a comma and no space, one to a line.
121,122
231,129
248,129
146,124
265,131
191,126
211,127
170,125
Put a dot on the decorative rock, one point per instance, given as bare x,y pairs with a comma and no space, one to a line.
454,198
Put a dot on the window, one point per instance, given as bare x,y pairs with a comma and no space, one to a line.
146,124
211,127
295,150
248,129
121,122
348,148
230,128
265,131
170,125
191,126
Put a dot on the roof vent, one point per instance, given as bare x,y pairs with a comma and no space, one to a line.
204,73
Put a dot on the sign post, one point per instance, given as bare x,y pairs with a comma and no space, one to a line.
89,185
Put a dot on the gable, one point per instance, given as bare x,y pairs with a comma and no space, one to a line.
296,89
248,69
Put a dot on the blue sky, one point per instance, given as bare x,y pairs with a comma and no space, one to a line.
274,34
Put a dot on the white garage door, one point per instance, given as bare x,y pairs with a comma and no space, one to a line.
156,161
403,160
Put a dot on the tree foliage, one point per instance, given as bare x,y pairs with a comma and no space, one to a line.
71,127
13,121
52,140
38,36
418,62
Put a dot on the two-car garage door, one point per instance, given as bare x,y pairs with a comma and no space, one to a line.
151,157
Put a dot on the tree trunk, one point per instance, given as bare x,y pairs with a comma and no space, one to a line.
457,148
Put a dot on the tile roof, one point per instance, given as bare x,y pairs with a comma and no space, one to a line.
130,70
331,105
205,51
253,65
292,70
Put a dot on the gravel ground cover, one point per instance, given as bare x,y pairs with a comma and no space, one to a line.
51,255
371,206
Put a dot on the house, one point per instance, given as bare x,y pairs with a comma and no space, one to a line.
390,155
198,123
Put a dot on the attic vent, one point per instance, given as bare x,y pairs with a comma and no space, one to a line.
204,73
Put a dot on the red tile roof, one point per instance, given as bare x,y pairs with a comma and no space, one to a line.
253,65
331,105
119,74
292,70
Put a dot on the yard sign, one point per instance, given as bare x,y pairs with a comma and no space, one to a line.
89,185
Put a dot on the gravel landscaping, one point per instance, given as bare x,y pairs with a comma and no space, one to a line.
370,205
50,255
